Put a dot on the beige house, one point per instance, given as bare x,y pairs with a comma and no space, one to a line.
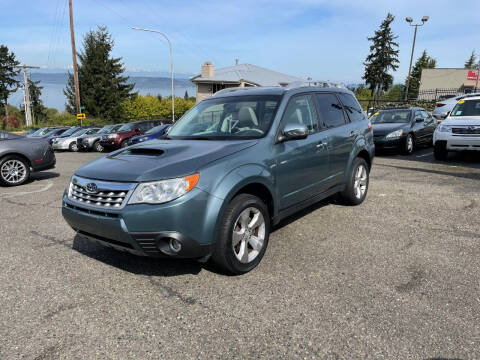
212,80
456,80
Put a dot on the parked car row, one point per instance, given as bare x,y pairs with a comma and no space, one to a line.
109,137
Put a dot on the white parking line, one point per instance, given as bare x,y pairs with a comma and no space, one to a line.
425,155
21,193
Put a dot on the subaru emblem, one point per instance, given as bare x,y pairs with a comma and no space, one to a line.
92,188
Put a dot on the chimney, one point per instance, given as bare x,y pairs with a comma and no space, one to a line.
208,70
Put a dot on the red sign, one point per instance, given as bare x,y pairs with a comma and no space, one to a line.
472,75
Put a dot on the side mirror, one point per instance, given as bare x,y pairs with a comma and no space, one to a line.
419,119
137,130
293,132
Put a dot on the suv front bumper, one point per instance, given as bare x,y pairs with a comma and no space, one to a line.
147,230
457,142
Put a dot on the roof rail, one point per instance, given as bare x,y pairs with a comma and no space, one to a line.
230,89
317,83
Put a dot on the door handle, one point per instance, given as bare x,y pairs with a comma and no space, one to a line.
321,144
352,133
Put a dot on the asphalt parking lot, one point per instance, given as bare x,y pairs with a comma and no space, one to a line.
397,278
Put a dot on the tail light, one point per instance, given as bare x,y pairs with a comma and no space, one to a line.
440,105
370,127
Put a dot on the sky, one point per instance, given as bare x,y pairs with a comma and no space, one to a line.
321,39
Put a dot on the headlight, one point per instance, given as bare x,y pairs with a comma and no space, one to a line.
444,128
395,134
158,192
112,136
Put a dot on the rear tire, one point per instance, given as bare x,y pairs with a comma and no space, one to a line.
440,152
242,236
98,147
357,184
14,171
73,147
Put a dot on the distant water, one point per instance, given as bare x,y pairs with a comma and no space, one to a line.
54,84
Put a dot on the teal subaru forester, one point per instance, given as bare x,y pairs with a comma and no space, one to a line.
226,172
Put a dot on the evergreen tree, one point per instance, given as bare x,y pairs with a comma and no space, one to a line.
423,62
383,57
102,86
471,62
8,72
185,97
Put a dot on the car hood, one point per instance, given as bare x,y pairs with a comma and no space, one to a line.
462,121
160,159
387,128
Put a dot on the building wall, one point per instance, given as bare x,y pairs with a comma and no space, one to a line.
203,91
446,78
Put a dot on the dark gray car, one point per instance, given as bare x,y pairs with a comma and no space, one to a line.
19,156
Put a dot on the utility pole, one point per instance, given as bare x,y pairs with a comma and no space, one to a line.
28,111
74,58
409,20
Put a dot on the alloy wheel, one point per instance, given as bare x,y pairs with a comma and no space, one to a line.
13,171
409,144
360,184
248,235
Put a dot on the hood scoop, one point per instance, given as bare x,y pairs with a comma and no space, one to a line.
142,152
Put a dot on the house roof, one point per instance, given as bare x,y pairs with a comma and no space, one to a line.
249,73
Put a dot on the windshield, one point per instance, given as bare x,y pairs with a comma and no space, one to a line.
43,131
156,129
391,116
79,132
127,127
115,128
70,131
105,130
239,117
92,131
467,108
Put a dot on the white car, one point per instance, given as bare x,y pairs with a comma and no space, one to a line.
443,107
460,130
70,143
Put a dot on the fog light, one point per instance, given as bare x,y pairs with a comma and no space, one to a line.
175,245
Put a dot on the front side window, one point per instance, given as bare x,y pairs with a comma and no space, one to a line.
91,131
467,108
301,110
352,107
127,127
330,110
236,117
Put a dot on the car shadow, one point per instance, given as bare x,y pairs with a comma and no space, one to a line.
468,159
298,215
40,176
136,264
471,176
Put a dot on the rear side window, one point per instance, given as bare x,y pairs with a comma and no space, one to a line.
352,107
330,110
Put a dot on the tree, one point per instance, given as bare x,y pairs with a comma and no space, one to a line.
423,62
8,72
185,97
395,93
102,86
471,62
383,57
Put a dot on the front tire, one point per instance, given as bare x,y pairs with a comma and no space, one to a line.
98,147
357,185
243,235
409,145
14,171
124,143
440,152
73,147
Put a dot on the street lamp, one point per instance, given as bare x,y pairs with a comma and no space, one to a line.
410,20
171,64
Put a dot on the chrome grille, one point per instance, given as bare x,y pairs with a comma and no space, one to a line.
99,194
466,130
